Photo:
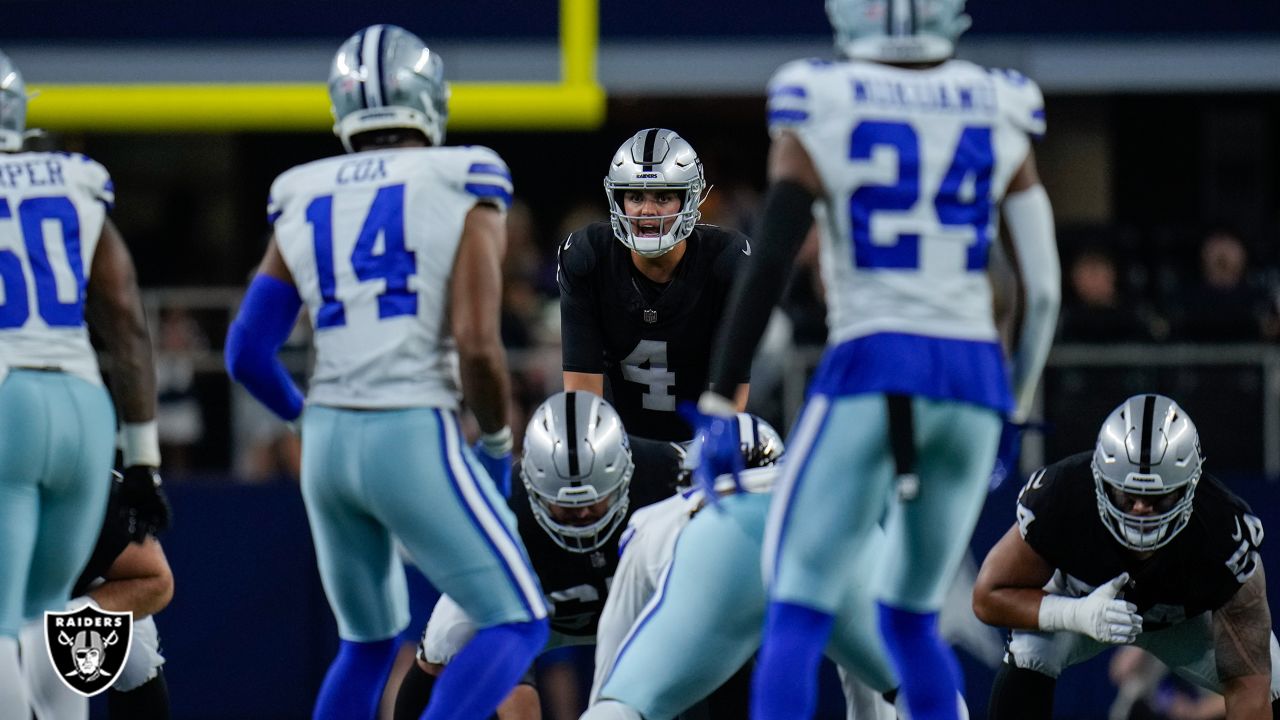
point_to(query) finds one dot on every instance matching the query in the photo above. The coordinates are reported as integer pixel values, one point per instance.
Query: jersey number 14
(393, 265)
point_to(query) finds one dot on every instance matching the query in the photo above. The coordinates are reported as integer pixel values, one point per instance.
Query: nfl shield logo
(88, 646)
(650, 316)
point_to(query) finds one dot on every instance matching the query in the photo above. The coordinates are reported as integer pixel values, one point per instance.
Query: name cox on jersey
(362, 170)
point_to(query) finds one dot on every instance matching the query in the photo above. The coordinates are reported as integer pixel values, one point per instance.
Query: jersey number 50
(394, 264)
(963, 198)
(32, 215)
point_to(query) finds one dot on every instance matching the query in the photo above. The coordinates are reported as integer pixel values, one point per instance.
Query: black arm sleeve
(785, 221)
(583, 346)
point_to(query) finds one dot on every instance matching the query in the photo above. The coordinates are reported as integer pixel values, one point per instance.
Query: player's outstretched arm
(262, 325)
(1033, 247)
(113, 308)
(1007, 592)
(1242, 649)
(139, 580)
(794, 183)
(475, 300)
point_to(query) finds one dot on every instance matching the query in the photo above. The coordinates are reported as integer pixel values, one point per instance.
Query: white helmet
(1147, 447)
(385, 77)
(577, 454)
(897, 31)
(655, 159)
(13, 107)
(761, 447)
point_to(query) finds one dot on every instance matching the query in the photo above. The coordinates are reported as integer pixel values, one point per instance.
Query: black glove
(142, 500)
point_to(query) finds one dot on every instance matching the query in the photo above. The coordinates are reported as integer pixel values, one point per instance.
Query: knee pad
(610, 710)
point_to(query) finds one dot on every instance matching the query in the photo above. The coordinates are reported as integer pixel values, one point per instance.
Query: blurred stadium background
(1162, 160)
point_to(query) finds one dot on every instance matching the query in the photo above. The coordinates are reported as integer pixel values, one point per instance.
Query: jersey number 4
(33, 214)
(393, 265)
(963, 197)
(647, 365)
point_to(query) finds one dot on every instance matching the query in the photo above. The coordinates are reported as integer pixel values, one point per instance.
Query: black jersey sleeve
(112, 540)
(1233, 536)
(657, 466)
(1045, 508)
(581, 337)
(731, 260)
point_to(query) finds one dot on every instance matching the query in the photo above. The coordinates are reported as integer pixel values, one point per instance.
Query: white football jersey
(914, 164)
(52, 209)
(370, 239)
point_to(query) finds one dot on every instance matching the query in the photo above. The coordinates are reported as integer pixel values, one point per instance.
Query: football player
(63, 264)
(122, 574)
(1132, 544)
(902, 155)
(642, 295)
(396, 250)
(581, 478)
(656, 656)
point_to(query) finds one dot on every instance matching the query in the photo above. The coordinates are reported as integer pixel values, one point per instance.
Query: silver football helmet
(577, 455)
(13, 107)
(761, 446)
(1148, 450)
(655, 159)
(897, 31)
(385, 77)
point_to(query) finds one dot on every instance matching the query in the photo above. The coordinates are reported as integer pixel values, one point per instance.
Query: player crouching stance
(1131, 545)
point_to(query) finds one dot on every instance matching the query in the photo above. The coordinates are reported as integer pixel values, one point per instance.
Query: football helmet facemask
(385, 77)
(13, 107)
(1148, 451)
(577, 455)
(897, 31)
(655, 159)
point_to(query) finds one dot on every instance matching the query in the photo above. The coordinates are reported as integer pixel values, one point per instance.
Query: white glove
(1100, 615)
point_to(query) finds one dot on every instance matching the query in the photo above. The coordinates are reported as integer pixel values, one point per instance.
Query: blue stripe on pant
(56, 447)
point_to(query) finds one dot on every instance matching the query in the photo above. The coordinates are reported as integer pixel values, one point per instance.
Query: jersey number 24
(963, 197)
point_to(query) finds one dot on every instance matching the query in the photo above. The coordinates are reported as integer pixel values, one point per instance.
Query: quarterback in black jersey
(1131, 544)
(641, 297)
(582, 477)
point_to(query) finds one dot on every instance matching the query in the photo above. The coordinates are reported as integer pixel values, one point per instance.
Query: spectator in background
(1222, 306)
(1146, 691)
(180, 415)
(1094, 310)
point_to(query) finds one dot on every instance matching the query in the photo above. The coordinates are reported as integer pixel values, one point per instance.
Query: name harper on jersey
(362, 170)
(925, 95)
(31, 173)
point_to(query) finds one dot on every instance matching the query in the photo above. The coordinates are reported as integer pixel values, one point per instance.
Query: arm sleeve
(579, 321)
(786, 218)
(264, 322)
(1030, 220)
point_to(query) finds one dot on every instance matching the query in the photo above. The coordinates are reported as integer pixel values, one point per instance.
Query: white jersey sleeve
(52, 210)
(370, 239)
(647, 545)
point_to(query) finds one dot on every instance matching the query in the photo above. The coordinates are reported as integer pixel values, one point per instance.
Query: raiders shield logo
(88, 646)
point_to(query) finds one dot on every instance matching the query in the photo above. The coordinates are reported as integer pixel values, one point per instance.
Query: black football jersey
(577, 584)
(1198, 571)
(652, 343)
(113, 538)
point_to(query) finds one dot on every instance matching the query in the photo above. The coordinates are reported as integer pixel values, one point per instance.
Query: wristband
(498, 443)
(140, 443)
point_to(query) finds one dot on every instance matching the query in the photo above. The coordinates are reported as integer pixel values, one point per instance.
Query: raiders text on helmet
(655, 159)
(577, 454)
(384, 77)
(1148, 448)
(897, 31)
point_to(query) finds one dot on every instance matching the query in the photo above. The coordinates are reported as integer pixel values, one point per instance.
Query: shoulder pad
(1021, 101)
(576, 255)
(90, 176)
(488, 177)
(791, 95)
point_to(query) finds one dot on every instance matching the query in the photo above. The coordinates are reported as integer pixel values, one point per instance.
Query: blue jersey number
(955, 204)
(393, 265)
(33, 213)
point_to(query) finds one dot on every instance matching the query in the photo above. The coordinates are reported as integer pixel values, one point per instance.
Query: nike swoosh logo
(747, 250)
